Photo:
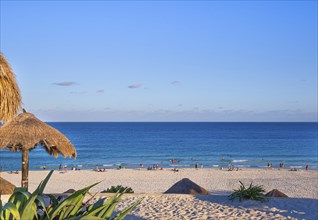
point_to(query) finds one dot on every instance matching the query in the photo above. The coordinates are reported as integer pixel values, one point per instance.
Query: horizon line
(181, 121)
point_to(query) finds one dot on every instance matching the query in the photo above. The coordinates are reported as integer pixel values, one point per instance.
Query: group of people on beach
(196, 166)
(230, 167)
(154, 167)
(13, 172)
(61, 168)
(99, 170)
(282, 166)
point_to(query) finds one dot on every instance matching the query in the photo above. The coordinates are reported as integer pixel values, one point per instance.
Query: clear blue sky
(164, 61)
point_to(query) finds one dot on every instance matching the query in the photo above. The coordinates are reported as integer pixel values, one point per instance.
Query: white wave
(107, 165)
(179, 165)
(239, 161)
(295, 167)
(242, 166)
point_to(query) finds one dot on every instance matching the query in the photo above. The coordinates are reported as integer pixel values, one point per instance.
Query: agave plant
(24, 205)
(118, 188)
(253, 192)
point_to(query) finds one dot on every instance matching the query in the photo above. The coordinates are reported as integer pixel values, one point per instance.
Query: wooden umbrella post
(25, 168)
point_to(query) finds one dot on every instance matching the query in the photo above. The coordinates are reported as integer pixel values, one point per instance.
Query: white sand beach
(300, 186)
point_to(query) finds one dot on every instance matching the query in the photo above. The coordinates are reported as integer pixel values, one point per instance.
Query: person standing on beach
(229, 167)
(307, 167)
(196, 165)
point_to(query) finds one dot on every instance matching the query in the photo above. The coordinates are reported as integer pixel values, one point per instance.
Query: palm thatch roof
(186, 186)
(26, 131)
(10, 98)
(6, 187)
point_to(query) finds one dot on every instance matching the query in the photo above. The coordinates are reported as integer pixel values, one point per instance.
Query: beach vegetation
(25, 205)
(118, 188)
(253, 192)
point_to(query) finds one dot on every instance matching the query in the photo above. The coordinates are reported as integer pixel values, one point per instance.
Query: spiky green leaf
(28, 211)
(45, 181)
(11, 209)
(70, 200)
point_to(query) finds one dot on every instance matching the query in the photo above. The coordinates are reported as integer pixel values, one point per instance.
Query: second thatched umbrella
(25, 132)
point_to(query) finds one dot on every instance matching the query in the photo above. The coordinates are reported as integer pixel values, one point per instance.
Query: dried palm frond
(10, 98)
(6, 187)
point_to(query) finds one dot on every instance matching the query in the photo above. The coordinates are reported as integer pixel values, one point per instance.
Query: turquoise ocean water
(110, 145)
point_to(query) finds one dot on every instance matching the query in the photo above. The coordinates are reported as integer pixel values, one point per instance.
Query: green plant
(24, 205)
(253, 192)
(118, 188)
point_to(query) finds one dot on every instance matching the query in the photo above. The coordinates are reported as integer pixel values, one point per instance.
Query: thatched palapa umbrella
(25, 132)
(10, 98)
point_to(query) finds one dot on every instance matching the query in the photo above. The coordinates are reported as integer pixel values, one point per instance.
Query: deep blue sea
(110, 145)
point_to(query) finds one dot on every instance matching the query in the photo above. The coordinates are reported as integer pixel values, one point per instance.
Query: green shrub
(118, 188)
(24, 205)
(253, 192)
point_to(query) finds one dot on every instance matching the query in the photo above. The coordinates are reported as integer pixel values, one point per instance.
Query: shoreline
(172, 166)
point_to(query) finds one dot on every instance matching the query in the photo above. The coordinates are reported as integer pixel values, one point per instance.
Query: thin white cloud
(135, 86)
(175, 82)
(78, 93)
(65, 83)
